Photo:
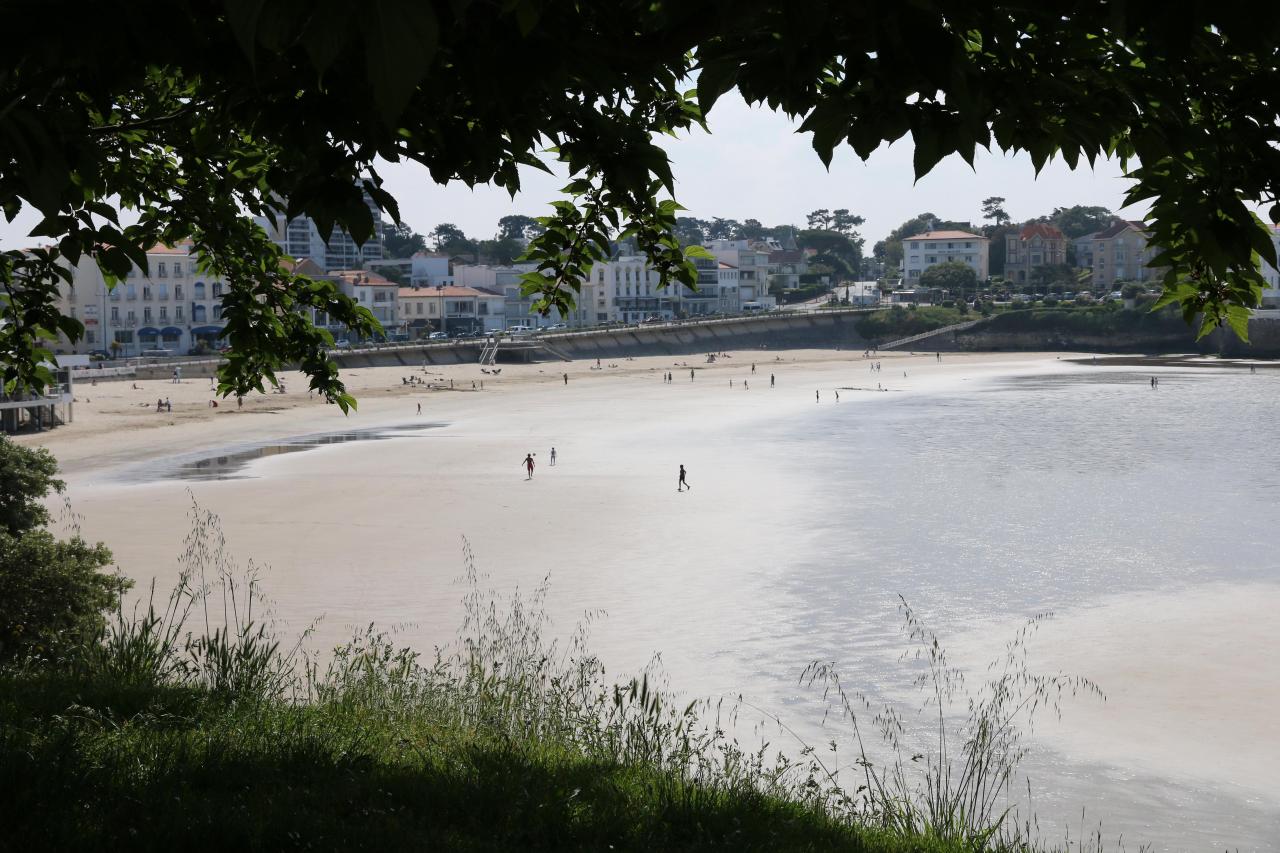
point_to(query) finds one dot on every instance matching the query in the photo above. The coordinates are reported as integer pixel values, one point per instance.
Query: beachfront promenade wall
(825, 329)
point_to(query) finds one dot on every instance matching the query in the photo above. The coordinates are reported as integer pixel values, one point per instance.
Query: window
(217, 311)
(197, 313)
(433, 309)
(177, 269)
(177, 313)
(163, 291)
(199, 290)
(931, 245)
(177, 291)
(419, 311)
(131, 318)
(164, 313)
(146, 291)
(115, 294)
(146, 314)
(915, 245)
(90, 337)
(115, 314)
(123, 337)
(217, 289)
(160, 271)
(130, 292)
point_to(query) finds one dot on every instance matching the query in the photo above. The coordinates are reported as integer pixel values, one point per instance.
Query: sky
(753, 165)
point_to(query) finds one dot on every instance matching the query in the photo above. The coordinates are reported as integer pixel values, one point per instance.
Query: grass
(191, 726)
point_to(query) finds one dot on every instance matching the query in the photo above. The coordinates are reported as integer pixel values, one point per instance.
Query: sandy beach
(372, 531)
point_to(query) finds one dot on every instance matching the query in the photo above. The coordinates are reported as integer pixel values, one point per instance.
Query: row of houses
(176, 307)
(1118, 253)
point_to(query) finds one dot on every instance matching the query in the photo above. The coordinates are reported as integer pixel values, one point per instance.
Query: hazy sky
(754, 165)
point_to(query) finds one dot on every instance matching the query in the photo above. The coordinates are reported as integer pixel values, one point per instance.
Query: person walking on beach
(753, 368)
(419, 408)
(553, 457)
(528, 466)
(682, 484)
(691, 374)
(837, 396)
(770, 380)
(817, 396)
(566, 379)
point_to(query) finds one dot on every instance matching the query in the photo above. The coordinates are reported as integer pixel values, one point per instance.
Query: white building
(1271, 294)
(937, 247)
(751, 259)
(175, 307)
(451, 309)
(300, 238)
(518, 309)
(371, 291)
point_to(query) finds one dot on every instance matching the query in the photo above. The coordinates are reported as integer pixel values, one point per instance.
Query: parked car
(438, 336)
(100, 355)
(555, 327)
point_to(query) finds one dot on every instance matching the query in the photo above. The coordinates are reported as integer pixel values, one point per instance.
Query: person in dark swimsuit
(682, 484)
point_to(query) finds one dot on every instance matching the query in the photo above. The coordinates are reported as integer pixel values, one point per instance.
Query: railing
(956, 327)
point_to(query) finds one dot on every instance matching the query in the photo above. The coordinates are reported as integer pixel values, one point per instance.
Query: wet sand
(371, 532)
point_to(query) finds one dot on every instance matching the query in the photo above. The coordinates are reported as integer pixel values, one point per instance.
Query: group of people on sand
(529, 463)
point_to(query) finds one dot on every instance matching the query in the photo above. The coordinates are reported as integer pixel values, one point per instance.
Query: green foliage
(289, 110)
(1132, 290)
(889, 250)
(1079, 220)
(1055, 277)
(26, 476)
(993, 209)
(518, 227)
(52, 594)
(899, 322)
(401, 241)
(950, 276)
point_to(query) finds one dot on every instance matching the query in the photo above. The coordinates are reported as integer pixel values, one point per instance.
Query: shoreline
(116, 424)
(373, 533)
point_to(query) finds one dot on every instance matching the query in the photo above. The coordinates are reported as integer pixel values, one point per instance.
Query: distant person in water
(553, 456)
(528, 466)
(419, 408)
(837, 396)
(682, 484)
(817, 396)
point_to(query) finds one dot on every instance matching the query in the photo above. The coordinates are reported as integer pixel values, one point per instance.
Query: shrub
(26, 476)
(52, 594)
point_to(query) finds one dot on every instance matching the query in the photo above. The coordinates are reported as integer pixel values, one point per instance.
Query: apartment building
(517, 308)
(751, 259)
(936, 247)
(370, 290)
(1121, 254)
(451, 309)
(1037, 244)
(301, 238)
(174, 306)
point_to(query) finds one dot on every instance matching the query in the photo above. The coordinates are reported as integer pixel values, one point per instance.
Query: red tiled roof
(364, 278)
(180, 249)
(1041, 229)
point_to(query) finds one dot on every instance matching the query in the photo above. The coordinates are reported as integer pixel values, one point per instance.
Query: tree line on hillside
(831, 234)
